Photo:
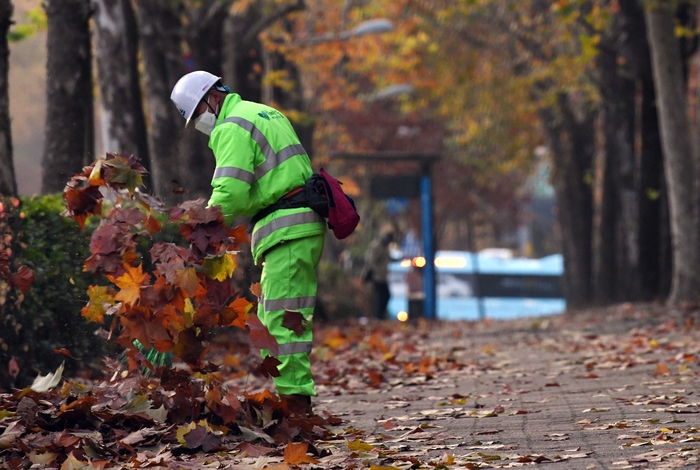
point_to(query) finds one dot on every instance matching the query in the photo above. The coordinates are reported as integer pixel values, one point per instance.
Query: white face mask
(205, 122)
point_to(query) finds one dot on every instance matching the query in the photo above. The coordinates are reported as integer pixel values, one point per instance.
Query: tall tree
(160, 29)
(653, 226)
(69, 113)
(571, 139)
(616, 254)
(176, 37)
(679, 162)
(116, 50)
(8, 183)
(202, 32)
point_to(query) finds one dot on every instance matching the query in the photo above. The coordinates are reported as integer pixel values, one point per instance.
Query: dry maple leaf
(260, 337)
(130, 284)
(152, 224)
(268, 368)
(375, 342)
(240, 234)
(235, 313)
(22, 279)
(95, 309)
(251, 450)
(220, 267)
(201, 437)
(294, 321)
(256, 289)
(295, 454)
(357, 445)
(63, 352)
(187, 280)
(662, 369)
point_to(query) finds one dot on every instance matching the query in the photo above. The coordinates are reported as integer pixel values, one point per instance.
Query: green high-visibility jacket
(259, 159)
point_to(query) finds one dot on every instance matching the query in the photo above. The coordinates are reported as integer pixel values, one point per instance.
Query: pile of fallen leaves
(173, 419)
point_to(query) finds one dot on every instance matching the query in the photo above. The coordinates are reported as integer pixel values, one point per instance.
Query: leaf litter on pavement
(387, 400)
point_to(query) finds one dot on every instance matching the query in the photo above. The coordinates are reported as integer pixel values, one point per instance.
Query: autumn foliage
(171, 297)
(187, 292)
(170, 293)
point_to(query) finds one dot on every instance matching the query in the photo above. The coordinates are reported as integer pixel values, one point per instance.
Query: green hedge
(48, 317)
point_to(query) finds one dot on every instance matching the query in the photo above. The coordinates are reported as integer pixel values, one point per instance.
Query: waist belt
(294, 199)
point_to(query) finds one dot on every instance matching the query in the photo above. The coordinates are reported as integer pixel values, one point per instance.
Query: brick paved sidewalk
(609, 389)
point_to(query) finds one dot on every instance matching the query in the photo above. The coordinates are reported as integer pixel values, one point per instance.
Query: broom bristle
(155, 357)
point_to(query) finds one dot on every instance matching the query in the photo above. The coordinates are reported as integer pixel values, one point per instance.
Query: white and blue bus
(507, 287)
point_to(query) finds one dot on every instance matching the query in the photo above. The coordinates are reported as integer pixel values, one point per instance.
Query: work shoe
(296, 404)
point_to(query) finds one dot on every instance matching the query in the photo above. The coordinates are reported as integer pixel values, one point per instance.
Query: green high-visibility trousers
(289, 284)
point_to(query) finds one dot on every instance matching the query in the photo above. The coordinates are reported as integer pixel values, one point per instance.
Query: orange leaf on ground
(295, 454)
(375, 342)
(130, 284)
(227, 407)
(662, 369)
(375, 377)
(261, 397)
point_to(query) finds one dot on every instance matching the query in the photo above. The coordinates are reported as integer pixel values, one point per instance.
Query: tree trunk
(572, 144)
(617, 276)
(678, 151)
(160, 29)
(654, 268)
(8, 182)
(242, 60)
(69, 115)
(203, 33)
(605, 230)
(116, 45)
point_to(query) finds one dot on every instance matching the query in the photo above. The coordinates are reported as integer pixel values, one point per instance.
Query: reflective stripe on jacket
(259, 159)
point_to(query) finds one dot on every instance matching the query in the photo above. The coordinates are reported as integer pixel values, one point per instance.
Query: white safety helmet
(189, 91)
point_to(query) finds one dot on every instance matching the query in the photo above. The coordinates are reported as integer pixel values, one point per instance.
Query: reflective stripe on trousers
(272, 158)
(285, 221)
(296, 304)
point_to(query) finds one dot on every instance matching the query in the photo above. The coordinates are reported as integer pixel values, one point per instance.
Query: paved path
(611, 390)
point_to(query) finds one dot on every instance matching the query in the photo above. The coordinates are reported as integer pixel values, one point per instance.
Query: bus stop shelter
(413, 184)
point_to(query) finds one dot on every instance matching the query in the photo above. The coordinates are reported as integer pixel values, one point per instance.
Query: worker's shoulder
(250, 115)
(258, 112)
